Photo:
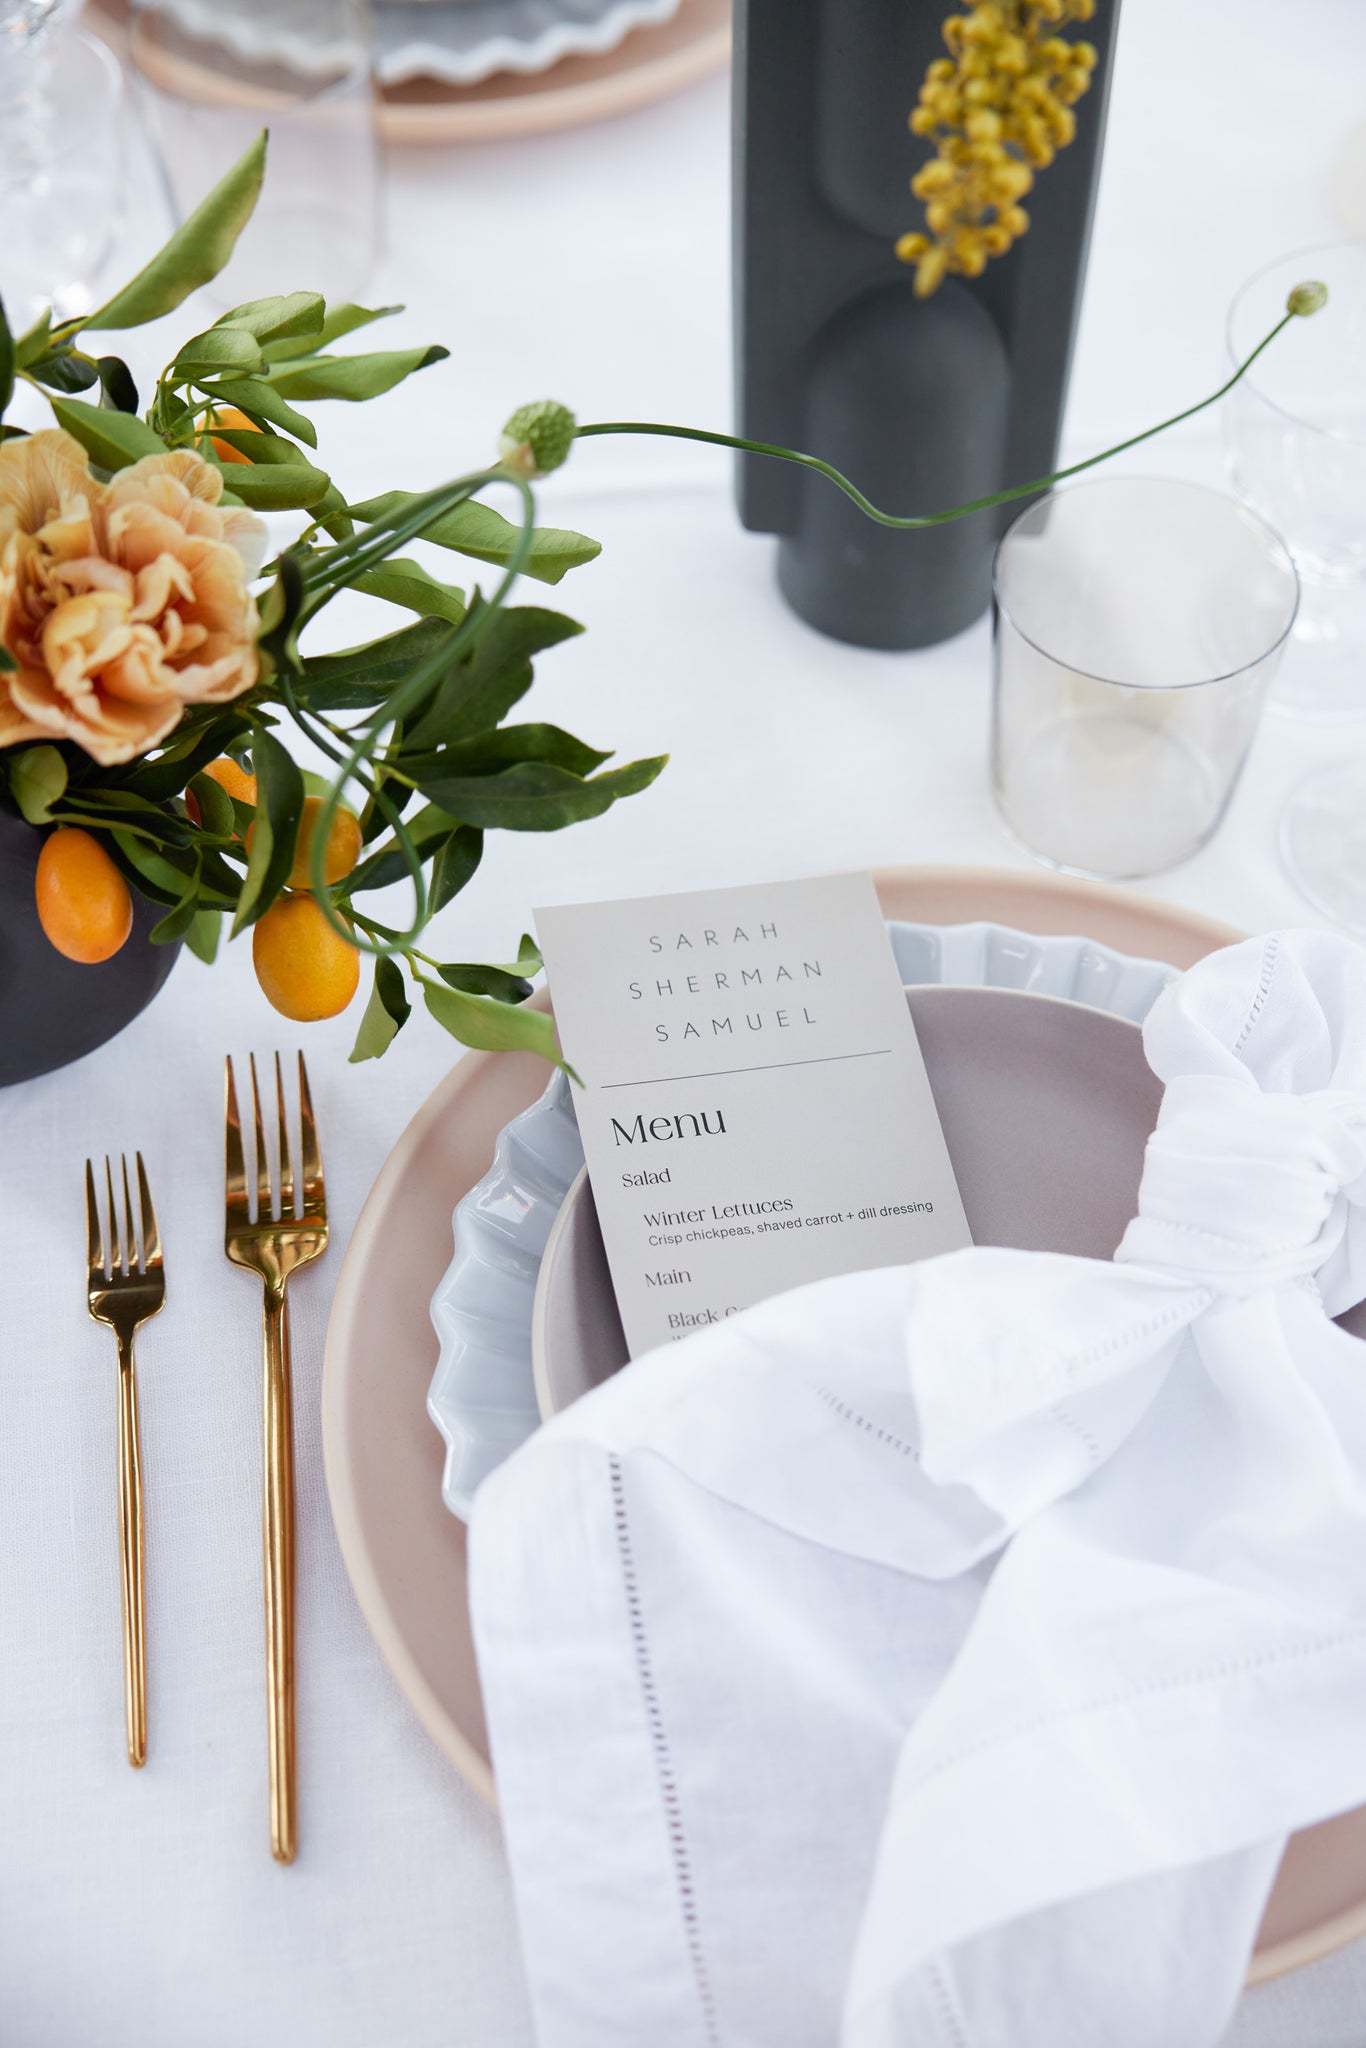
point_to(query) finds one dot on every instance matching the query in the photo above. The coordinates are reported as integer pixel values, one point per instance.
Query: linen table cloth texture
(942, 1655)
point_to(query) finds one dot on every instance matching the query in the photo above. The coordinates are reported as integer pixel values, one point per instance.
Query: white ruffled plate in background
(463, 41)
(458, 42)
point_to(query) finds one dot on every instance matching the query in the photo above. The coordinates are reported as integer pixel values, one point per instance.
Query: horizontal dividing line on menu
(772, 1067)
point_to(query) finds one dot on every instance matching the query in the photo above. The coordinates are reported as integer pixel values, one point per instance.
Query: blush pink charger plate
(405, 1551)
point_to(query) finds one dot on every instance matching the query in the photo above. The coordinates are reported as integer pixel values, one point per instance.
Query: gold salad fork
(124, 1290)
(273, 1246)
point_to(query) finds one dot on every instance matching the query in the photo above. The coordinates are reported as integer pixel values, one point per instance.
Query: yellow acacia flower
(998, 108)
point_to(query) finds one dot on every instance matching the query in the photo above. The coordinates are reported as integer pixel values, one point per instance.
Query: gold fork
(274, 1246)
(124, 1293)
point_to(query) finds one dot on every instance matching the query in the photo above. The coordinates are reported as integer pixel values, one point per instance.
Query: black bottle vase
(53, 1010)
(926, 403)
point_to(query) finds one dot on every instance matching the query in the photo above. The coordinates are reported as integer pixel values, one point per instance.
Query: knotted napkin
(940, 1656)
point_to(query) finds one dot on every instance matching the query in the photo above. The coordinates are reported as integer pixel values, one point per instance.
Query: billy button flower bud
(537, 438)
(1307, 298)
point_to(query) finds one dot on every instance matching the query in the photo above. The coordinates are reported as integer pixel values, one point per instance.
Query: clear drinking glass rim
(1100, 483)
(1296, 256)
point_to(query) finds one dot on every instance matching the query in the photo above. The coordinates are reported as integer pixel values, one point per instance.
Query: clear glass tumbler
(212, 73)
(1137, 626)
(1295, 432)
(61, 161)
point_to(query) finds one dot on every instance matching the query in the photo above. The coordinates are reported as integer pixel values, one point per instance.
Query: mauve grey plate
(1046, 1108)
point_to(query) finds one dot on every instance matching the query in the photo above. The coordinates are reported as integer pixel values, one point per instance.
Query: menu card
(754, 1107)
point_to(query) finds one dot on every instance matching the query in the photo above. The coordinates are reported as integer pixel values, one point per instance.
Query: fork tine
(286, 1168)
(265, 1203)
(235, 1167)
(310, 1159)
(151, 1236)
(93, 1236)
(134, 1252)
(115, 1253)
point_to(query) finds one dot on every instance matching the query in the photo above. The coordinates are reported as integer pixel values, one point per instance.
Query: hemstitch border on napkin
(668, 1784)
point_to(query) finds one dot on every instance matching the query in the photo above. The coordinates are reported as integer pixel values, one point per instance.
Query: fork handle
(130, 1559)
(277, 1552)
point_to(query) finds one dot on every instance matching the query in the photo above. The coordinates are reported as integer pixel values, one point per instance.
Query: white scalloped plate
(463, 41)
(483, 1395)
(459, 42)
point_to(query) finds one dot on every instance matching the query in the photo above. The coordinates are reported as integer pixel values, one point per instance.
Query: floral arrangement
(149, 657)
(998, 108)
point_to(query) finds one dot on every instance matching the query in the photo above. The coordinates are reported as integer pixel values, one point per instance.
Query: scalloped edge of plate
(561, 39)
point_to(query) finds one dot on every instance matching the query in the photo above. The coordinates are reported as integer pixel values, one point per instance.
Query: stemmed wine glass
(1297, 444)
(1295, 432)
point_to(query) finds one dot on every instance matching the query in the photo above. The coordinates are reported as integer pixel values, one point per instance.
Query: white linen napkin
(941, 1656)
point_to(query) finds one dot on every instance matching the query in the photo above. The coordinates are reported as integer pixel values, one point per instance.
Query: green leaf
(492, 1026)
(262, 403)
(183, 758)
(218, 348)
(203, 934)
(332, 515)
(270, 482)
(280, 792)
(65, 370)
(455, 862)
(157, 874)
(476, 530)
(337, 321)
(272, 450)
(221, 885)
(7, 661)
(407, 583)
(114, 439)
(478, 980)
(535, 796)
(33, 342)
(116, 383)
(287, 316)
(352, 377)
(177, 922)
(481, 690)
(358, 678)
(215, 806)
(493, 751)
(107, 806)
(386, 865)
(387, 1011)
(6, 361)
(37, 778)
(196, 252)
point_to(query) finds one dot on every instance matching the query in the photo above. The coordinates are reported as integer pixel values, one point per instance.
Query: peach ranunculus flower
(121, 603)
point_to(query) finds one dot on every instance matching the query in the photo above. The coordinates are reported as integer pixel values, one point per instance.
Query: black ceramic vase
(926, 403)
(52, 1010)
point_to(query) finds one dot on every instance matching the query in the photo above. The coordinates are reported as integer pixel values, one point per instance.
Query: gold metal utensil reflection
(125, 1289)
(273, 1246)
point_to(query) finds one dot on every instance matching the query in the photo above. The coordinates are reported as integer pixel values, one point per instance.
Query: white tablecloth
(144, 1907)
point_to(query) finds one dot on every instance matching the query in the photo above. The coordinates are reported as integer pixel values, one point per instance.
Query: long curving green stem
(922, 519)
(322, 580)
(410, 692)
